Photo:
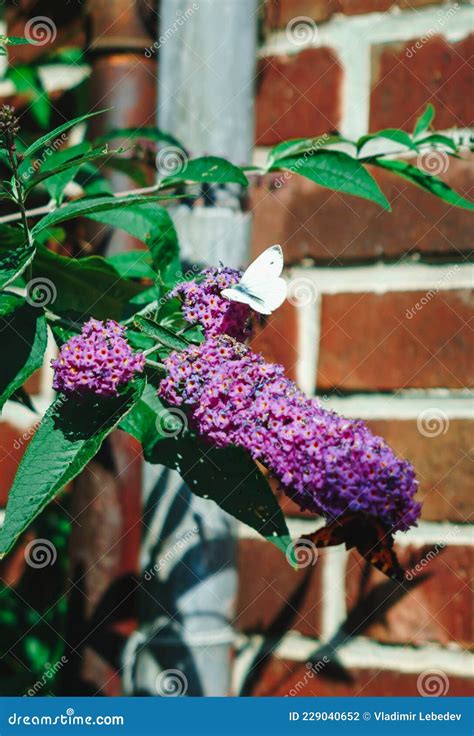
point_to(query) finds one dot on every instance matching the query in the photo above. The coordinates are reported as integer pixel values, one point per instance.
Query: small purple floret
(324, 462)
(204, 305)
(97, 361)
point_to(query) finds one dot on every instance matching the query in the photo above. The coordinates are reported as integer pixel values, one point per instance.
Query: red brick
(273, 597)
(297, 95)
(33, 384)
(277, 338)
(280, 677)
(278, 13)
(312, 222)
(442, 463)
(13, 442)
(437, 606)
(368, 343)
(438, 72)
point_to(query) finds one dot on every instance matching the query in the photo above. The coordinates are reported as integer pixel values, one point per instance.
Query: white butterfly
(261, 286)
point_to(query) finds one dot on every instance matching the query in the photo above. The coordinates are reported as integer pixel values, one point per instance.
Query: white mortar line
(380, 278)
(308, 317)
(377, 28)
(401, 406)
(362, 653)
(334, 610)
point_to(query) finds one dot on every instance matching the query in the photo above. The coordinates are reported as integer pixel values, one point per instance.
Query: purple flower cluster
(326, 463)
(203, 304)
(99, 360)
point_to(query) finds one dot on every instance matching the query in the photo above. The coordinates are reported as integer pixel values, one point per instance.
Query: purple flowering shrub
(98, 361)
(327, 464)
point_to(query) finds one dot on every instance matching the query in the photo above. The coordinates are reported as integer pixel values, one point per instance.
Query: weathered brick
(434, 606)
(405, 79)
(312, 222)
(443, 462)
(273, 597)
(277, 338)
(367, 342)
(278, 677)
(298, 95)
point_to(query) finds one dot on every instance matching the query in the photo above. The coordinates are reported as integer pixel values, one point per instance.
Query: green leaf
(132, 264)
(70, 434)
(89, 207)
(431, 184)
(15, 40)
(161, 334)
(23, 336)
(338, 171)
(424, 121)
(27, 81)
(229, 477)
(13, 262)
(149, 223)
(54, 134)
(145, 420)
(56, 184)
(437, 138)
(48, 171)
(297, 146)
(391, 134)
(85, 286)
(208, 169)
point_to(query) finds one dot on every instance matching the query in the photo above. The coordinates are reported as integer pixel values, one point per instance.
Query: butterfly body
(261, 286)
(364, 533)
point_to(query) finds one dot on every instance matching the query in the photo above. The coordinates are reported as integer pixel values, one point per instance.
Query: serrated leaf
(429, 183)
(424, 121)
(69, 435)
(229, 477)
(208, 169)
(23, 337)
(337, 171)
(161, 334)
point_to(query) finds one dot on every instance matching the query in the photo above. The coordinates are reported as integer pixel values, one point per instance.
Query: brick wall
(379, 327)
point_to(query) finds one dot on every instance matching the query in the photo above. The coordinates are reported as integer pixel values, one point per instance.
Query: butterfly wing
(368, 536)
(261, 286)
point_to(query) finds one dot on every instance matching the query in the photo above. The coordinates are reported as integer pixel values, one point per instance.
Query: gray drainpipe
(183, 646)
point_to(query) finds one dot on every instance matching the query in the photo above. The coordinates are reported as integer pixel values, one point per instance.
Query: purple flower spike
(324, 462)
(204, 305)
(97, 361)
